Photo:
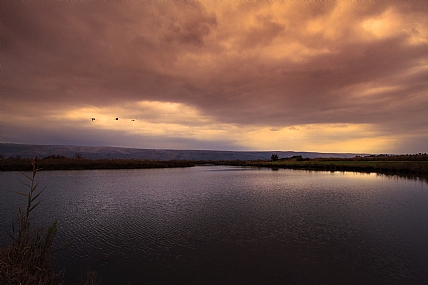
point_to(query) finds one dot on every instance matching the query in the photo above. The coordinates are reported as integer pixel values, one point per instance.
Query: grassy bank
(79, 163)
(387, 164)
(405, 167)
(403, 164)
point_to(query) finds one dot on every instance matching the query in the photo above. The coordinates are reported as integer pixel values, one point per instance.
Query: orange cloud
(201, 71)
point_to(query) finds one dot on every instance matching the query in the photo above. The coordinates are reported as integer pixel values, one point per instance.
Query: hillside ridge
(102, 152)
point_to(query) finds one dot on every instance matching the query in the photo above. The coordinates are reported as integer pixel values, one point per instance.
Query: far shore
(65, 163)
(407, 168)
(415, 165)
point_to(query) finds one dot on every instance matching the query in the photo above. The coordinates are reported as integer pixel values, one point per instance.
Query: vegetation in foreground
(26, 260)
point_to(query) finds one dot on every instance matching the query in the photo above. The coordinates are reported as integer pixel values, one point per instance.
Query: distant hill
(95, 152)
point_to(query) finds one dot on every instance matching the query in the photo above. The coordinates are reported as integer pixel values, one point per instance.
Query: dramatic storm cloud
(307, 76)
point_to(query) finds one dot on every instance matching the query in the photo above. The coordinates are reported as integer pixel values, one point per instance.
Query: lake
(231, 225)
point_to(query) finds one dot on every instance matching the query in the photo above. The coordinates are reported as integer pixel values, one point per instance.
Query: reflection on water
(229, 225)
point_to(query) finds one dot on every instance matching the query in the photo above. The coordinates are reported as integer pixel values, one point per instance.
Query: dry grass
(26, 260)
(80, 163)
(406, 165)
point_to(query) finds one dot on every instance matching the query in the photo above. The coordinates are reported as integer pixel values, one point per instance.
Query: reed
(26, 260)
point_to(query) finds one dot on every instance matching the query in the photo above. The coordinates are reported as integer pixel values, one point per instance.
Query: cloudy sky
(324, 76)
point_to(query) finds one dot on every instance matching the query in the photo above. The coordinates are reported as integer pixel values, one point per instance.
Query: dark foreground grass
(26, 259)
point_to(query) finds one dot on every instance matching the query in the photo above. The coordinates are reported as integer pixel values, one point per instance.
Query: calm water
(226, 225)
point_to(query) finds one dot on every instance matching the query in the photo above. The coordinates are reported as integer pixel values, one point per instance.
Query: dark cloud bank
(247, 64)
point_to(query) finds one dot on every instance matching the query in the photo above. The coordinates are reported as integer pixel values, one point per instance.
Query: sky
(324, 76)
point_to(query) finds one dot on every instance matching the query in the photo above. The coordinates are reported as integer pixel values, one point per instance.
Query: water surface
(230, 225)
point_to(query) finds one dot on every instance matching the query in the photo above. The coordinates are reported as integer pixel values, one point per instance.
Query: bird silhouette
(93, 119)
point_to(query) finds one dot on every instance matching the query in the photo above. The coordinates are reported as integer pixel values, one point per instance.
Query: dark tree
(274, 157)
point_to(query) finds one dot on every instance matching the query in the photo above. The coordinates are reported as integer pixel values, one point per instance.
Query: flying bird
(93, 119)
(117, 119)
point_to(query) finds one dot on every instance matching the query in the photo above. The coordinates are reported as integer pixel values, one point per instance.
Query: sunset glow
(305, 76)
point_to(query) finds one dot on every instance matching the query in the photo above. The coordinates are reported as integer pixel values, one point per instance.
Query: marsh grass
(26, 260)
(385, 167)
(416, 165)
(80, 163)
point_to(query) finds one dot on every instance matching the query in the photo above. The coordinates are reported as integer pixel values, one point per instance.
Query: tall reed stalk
(26, 259)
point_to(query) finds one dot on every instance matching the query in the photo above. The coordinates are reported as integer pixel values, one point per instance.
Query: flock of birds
(116, 119)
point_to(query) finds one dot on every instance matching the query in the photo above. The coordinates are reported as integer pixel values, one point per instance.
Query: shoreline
(409, 169)
(24, 164)
(364, 165)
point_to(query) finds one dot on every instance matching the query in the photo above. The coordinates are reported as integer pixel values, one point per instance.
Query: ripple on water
(198, 226)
